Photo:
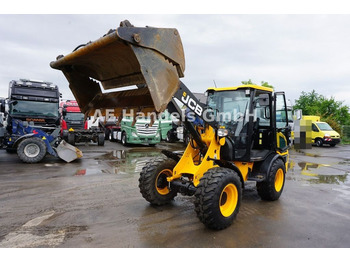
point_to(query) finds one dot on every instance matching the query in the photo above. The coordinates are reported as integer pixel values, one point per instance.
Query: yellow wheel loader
(240, 134)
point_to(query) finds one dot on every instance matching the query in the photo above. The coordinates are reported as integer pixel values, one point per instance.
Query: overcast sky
(293, 53)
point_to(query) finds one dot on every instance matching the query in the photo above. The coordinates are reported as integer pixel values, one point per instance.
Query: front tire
(319, 142)
(153, 183)
(271, 188)
(124, 139)
(218, 197)
(31, 150)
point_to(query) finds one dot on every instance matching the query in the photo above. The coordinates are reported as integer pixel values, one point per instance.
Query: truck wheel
(169, 137)
(101, 139)
(271, 188)
(153, 183)
(218, 197)
(319, 142)
(31, 150)
(107, 134)
(187, 139)
(124, 139)
(71, 139)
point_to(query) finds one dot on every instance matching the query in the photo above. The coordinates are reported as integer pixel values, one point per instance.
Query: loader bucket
(67, 152)
(151, 58)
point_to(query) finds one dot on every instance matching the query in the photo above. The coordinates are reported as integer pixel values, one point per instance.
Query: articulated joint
(183, 187)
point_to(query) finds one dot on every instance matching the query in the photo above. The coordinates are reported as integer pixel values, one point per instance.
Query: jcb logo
(187, 100)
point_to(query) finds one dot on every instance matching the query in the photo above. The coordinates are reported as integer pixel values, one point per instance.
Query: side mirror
(264, 100)
(2, 105)
(299, 114)
(64, 111)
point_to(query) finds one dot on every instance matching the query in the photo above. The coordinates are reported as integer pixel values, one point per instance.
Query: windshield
(324, 127)
(74, 116)
(34, 108)
(229, 107)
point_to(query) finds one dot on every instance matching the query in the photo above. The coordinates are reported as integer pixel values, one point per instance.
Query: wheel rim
(228, 200)
(279, 180)
(31, 150)
(162, 182)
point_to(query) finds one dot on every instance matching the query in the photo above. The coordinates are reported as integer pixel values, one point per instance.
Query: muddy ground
(95, 202)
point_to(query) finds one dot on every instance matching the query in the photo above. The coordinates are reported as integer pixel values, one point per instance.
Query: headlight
(133, 134)
(327, 135)
(157, 135)
(222, 132)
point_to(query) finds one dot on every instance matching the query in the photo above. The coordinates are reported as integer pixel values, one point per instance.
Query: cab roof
(218, 89)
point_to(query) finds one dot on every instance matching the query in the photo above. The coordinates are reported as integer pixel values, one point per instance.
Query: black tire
(101, 139)
(218, 197)
(271, 188)
(31, 150)
(124, 139)
(332, 145)
(170, 137)
(153, 184)
(71, 138)
(319, 142)
(65, 135)
(107, 134)
(187, 139)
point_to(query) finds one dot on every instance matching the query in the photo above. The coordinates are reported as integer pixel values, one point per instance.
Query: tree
(331, 111)
(263, 83)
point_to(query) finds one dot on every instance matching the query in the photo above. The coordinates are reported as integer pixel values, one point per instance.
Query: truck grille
(146, 130)
(75, 125)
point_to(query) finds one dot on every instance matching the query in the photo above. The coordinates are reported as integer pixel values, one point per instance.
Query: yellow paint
(71, 130)
(263, 88)
(244, 168)
(279, 177)
(228, 200)
(192, 163)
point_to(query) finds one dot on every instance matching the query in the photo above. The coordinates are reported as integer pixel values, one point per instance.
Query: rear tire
(271, 188)
(101, 139)
(153, 184)
(170, 137)
(71, 138)
(31, 150)
(218, 198)
(107, 134)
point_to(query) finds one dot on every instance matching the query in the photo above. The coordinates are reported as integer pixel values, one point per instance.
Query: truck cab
(72, 117)
(34, 101)
(140, 132)
(322, 133)
(74, 126)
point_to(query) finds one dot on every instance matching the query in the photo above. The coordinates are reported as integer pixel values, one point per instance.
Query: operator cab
(255, 119)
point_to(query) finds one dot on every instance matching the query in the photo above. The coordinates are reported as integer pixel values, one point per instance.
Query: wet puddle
(321, 173)
(120, 162)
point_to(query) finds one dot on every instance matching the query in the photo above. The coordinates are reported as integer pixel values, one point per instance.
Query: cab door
(281, 122)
